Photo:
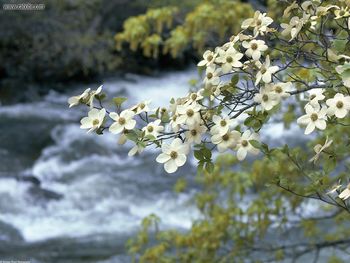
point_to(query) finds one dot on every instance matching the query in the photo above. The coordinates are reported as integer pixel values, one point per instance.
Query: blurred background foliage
(80, 41)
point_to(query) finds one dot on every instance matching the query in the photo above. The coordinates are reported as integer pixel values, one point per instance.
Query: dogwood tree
(296, 70)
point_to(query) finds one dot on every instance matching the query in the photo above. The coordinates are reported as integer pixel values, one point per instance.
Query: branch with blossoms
(304, 60)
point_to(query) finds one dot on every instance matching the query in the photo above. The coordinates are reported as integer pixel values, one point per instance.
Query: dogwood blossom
(319, 149)
(92, 96)
(94, 120)
(189, 114)
(294, 26)
(226, 141)
(141, 107)
(123, 121)
(341, 12)
(315, 117)
(75, 100)
(153, 128)
(221, 125)
(283, 89)
(259, 22)
(344, 71)
(209, 58)
(229, 59)
(265, 71)
(254, 48)
(267, 97)
(244, 147)
(194, 134)
(173, 155)
(315, 95)
(212, 76)
(345, 194)
(339, 105)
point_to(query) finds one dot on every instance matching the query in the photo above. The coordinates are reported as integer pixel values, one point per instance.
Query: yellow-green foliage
(168, 30)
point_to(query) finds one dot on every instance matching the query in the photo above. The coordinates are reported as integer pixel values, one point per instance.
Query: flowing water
(68, 196)
(91, 196)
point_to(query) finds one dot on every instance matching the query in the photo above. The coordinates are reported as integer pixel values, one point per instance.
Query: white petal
(241, 153)
(170, 166)
(116, 128)
(162, 158)
(180, 160)
(309, 128)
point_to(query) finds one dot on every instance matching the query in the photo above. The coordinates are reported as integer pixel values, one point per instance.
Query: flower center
(265, 97)
(314, 117)
(259, 22)
(209, 75)
(173, 155)
(210, 58)
(340, 104)
(254, 46)
(341, 13)
(229, 59)
(223, 123)
(263, 70)
(213, 89)
(190, 113)
(150, 129)
(142, 106)
(163, 110)
(278, 89)
(244, 143)
(193, 132)
(226, 137)
(194, 96)
(312, 96)
(174, 118)
(95, 122)
(121, 121)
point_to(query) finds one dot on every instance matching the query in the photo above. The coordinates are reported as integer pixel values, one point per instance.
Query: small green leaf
(119, 101)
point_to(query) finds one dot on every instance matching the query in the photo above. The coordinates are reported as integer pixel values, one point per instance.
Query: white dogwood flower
(315, 95)
(92, 96)
(259, 22)
(209, 58)
(123, 121)
(265, 71)
(227, 141)
(194, 97)
(315, 117)
(94, 120)
(194, 133)
(294, 26)
(189, 114)
(283, 89)
(212, 76)
(173, 155)
(267, 98)
(339, 105)
(229, 59)
(137, 149)
(244, 147)
(221, 125)
(319, 149)
(75, 100)
(254, 48)
(345, 194)
(344, 71)
(153, 128)
(141, 107)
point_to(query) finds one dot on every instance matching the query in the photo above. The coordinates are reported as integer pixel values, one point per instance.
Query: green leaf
(234, 79)
(119, 101)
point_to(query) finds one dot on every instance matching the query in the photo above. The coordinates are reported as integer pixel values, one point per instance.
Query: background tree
(295, 71)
